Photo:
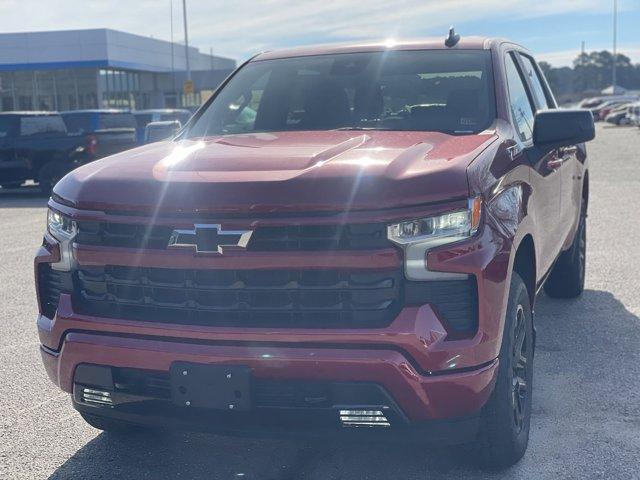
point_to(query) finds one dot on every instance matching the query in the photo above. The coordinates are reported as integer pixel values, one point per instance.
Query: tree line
(591, 72)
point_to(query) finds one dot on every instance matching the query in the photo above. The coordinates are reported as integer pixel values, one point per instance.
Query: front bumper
(260, 421)
(397, 358)
(419, 397)
(429, 374)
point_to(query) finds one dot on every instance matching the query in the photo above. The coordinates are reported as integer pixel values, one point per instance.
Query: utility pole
(186, 38)
(615, 41)
(173, 68)
(582, 52)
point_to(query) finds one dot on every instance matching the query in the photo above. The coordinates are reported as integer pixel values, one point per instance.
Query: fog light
(97, 397)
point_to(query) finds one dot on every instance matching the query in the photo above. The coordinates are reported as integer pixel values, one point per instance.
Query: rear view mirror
(560, 128)
(157, 131)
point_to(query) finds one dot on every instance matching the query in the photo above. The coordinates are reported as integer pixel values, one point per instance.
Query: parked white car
(596, 102)
(633, 114)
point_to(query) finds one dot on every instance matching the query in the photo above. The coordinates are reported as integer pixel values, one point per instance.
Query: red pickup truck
(342, 237)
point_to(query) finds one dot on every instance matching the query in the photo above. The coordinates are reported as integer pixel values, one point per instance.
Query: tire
(567, 277)
(110, 425)
(50, 173)
(504, 433)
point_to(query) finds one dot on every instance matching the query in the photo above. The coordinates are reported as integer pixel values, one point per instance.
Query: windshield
(446, 91)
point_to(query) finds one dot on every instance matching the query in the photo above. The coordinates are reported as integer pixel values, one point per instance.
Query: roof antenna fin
(452, 39)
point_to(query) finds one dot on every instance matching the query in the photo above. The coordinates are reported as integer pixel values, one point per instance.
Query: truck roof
(96, 110)
(31, 113)
(161, 110)
(433, 43)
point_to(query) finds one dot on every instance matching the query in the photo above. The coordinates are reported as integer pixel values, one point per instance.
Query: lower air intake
(363, 418)
(97, 397)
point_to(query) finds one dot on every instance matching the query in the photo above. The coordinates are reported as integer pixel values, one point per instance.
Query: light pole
(173, 69)
(186, 38)
(615, 41)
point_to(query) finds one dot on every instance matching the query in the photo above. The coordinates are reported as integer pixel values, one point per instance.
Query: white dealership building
(101, 68)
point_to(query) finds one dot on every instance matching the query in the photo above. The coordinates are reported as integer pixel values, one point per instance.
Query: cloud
(281, 23)
(242, 27)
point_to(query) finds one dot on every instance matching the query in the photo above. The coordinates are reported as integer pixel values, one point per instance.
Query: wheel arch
(585, 188)
(524, 263)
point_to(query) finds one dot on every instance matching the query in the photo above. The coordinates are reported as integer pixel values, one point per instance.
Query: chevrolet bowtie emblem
(209, 238)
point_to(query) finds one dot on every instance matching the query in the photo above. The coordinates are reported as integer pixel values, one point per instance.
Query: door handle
(513, 151)
(555, 163)
(566, 151)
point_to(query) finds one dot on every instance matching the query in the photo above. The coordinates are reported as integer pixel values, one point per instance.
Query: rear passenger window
(39, 125)
(77, 123)
(534, 79)
(521, 109)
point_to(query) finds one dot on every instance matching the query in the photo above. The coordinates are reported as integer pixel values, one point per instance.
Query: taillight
(92, 144)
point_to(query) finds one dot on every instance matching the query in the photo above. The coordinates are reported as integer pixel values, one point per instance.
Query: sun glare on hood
(180, 153)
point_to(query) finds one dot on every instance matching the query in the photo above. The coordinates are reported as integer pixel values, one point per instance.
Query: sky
(552, 29)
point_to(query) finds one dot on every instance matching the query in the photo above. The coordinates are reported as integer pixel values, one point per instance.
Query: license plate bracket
(220, 387)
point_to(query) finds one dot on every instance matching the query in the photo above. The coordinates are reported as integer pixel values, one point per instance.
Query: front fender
(489, 257)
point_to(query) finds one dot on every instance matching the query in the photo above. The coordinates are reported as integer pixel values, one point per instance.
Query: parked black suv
(105, 131)
(36, 146)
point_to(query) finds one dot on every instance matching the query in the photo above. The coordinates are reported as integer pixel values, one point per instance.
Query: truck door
(564, 160)
(545, 181)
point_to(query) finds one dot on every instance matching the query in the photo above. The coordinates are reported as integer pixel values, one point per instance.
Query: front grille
(292, 394)
(122, 235)
(319, 237)
(144, 383)
(266, 393)
(257, 298)
(51, 283)
(241, 298)
(363, 236)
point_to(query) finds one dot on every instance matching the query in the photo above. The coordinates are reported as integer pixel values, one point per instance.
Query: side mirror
(157, 131)
(561, 128)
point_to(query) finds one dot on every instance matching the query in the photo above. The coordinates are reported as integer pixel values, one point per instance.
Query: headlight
(454, 224)
(463, 223)
(63, 229)
(59, 225)
(419, 235)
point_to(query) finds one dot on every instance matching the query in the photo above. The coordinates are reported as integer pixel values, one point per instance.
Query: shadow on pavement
(575, 337)
(201, 456)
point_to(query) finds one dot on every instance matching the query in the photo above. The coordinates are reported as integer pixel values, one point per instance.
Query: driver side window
(521, 109)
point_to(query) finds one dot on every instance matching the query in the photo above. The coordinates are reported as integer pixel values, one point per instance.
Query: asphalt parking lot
(586, 412)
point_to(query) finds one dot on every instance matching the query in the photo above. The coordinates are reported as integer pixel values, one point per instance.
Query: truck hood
(277, 172)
